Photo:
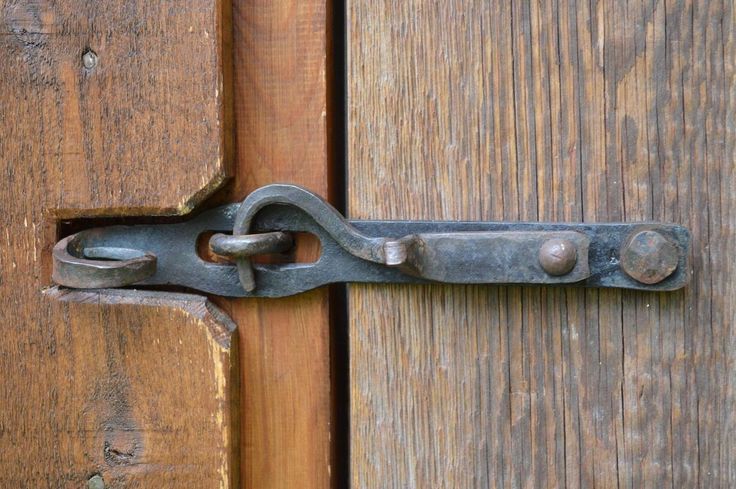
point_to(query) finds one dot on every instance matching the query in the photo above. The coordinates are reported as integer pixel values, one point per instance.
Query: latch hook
(649, 256)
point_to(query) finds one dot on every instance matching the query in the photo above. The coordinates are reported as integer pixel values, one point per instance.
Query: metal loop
(369, 248)
(99, 267)
(247, 245)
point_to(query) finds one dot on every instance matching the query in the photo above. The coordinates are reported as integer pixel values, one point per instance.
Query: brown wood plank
(153, 101)
(280, 73)
(147, 388)
(564, 110)
(136, 388)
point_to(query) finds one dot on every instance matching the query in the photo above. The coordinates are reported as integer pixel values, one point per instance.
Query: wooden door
(459, 109)
(137, 108)
(109, 388)
(553, 111)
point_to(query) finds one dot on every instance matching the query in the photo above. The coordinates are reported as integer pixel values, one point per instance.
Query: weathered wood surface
(143, 392)
(280, 75)
(152, 104)
(134, 387)
(563, 111)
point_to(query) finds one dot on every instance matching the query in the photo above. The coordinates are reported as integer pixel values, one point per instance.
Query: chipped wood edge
(222, 330)
(219, 324)
(224, 95)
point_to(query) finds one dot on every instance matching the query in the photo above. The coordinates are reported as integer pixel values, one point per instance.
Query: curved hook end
(112, 267)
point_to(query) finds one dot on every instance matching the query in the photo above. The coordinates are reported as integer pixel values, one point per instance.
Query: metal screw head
(96, 482)
(648, 257)
(558, 256)
(89, 59)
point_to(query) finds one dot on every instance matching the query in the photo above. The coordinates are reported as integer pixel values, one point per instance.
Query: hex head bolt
(648, 257)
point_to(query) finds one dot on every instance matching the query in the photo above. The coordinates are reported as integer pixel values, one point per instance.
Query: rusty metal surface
(79, 266)
(511, 257)
(374, 251)
(558, 256)
(320, 212)
(247, 245)
(649, 257)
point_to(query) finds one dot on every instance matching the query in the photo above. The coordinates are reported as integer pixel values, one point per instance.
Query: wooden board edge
(221, 329)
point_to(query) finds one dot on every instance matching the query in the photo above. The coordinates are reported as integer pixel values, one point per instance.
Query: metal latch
(647, 256)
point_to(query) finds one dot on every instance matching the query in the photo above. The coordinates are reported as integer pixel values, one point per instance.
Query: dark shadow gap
(339, 344)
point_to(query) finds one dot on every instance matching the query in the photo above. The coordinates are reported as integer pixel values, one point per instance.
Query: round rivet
(648, 257)
(89, 59)
(558, 256)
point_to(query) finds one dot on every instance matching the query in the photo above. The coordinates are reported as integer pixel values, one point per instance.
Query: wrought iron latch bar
(647, 256)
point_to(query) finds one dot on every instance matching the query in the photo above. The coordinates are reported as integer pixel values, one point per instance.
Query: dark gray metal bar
(588, 255)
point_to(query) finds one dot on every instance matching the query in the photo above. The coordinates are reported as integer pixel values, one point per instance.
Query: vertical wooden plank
(280, 52)
(132, 387)
(129, 389)
(566, 110)
(127, 87)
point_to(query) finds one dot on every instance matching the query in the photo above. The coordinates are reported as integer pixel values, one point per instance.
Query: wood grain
(147, 386)
(137, 388)
(280, 72)
(562, 111)
(155, 102)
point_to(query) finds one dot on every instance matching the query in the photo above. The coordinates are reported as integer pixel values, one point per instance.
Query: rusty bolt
(648, 257)
(558, 256)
